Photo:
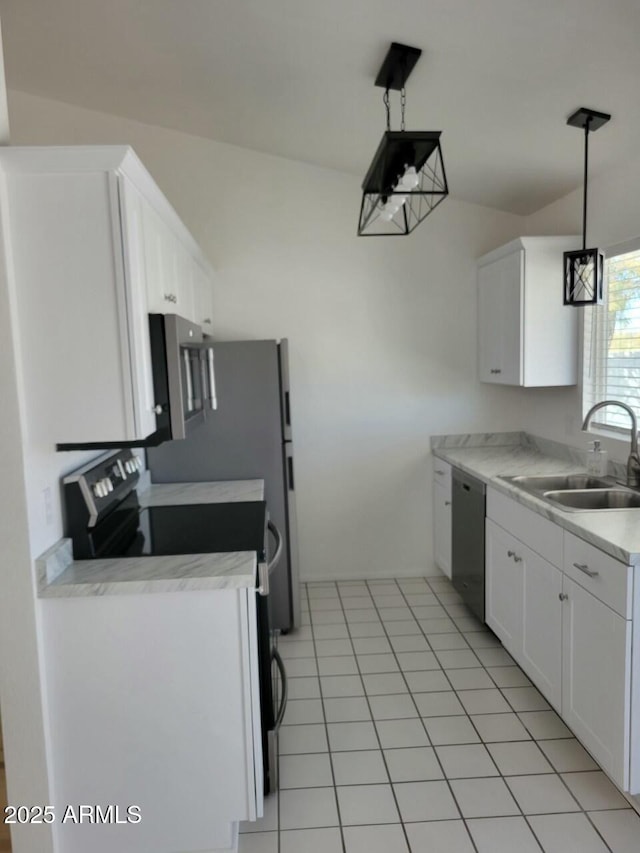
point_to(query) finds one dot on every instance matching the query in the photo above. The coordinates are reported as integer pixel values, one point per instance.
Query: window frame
(595, 389)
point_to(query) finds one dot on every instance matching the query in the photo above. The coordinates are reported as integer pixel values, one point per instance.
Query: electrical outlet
(48, 505)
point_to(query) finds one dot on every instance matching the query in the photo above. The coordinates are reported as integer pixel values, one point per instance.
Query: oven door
(273, 676)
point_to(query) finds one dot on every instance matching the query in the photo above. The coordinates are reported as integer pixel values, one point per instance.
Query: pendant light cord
(586, 171)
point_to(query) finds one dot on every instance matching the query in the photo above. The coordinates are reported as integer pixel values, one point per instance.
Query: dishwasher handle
(465, 483)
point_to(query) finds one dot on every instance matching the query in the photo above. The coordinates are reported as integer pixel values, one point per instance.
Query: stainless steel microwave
(183, 374)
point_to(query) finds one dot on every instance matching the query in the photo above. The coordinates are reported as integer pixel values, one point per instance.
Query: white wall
(613, 217)
(382, 331)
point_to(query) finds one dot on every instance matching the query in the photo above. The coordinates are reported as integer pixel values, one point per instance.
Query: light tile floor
(409, 729)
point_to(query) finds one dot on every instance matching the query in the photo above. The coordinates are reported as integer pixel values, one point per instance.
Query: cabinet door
(442, 528)
(184, 281)
(596, 663)
(500, 319)
(202, 298)
(135, 271)
(159, 262)
(542, 626)
(504, 579)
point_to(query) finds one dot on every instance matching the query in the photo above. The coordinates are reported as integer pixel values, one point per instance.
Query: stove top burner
(191, 529)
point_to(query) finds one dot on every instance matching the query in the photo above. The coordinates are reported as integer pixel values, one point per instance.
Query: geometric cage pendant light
(406, 180)
(584, 268)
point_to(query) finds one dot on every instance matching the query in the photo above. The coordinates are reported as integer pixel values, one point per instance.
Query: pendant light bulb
(410, 180)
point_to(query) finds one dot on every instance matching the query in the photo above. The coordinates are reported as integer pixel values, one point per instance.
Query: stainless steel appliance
(247, 437)
(104, 519)
(183, 374)
(468, 505)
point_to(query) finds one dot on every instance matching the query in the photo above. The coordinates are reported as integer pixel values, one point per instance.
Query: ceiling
(295, 78)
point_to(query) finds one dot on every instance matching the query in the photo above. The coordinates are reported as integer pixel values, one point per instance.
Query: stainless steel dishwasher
(467, 551)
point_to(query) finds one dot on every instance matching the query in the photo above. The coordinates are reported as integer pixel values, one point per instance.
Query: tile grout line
(373, 724)
(481, 665)
(501, 776)
(437, 757)
(326, 729)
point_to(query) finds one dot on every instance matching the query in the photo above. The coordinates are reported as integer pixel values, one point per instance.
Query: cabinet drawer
(442, 475)
(542, 536)
(607, 579)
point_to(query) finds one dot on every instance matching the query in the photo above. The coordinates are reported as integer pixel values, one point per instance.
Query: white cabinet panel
(504, 579)
(607, 579)
(442, 528)
(499, 312)
(526, 336)
(153, 701)
(542, 626)
(202, 298)
(597, 679)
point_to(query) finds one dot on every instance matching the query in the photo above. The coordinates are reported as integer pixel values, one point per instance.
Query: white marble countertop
(617, 532)
(59, 575)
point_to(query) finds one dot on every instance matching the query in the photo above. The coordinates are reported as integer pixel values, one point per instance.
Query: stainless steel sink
(594, 498)
(560, 482)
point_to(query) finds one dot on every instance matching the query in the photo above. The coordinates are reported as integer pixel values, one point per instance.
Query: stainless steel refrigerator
(247, 437)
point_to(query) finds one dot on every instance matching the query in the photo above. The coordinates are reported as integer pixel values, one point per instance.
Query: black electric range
(104, 519)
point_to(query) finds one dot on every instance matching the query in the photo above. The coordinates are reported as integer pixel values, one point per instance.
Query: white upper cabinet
(202, 298)
(175, 273)
(526, 336)
(93, 248)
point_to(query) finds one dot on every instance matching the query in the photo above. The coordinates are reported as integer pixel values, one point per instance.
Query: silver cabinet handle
(513, 554)
(447, 503)
(170, 297)
(439, 471)
(584, 568)
(207, 320)
(496, 370)
(563, 596)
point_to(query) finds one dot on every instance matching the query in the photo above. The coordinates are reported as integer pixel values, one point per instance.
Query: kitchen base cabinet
(504, 584)
(597, 679)
(570, 629)
(442, 516)
(154, 702)
(542, 626)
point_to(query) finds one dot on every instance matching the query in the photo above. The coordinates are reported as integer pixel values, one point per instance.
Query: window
(611, 342)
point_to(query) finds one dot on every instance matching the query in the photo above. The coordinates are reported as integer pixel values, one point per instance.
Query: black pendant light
(584, 268)
(406, 179)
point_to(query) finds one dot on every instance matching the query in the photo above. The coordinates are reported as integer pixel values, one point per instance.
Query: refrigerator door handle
(213, 401)
(275, 655)
(287, 409)
(279, 546)
(265, 569)
(290, 466)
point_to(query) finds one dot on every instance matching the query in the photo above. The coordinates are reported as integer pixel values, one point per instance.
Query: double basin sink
(578, 491)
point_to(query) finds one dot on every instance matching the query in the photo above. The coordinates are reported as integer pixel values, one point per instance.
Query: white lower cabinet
(523, 608)
(504, 582)
(442, 528)
(542, 626)
(154, 701)
(596, 686)
(567, 629)
(442, 472)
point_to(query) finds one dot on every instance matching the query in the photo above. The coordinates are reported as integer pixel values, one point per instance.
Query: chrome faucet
(633, 462)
